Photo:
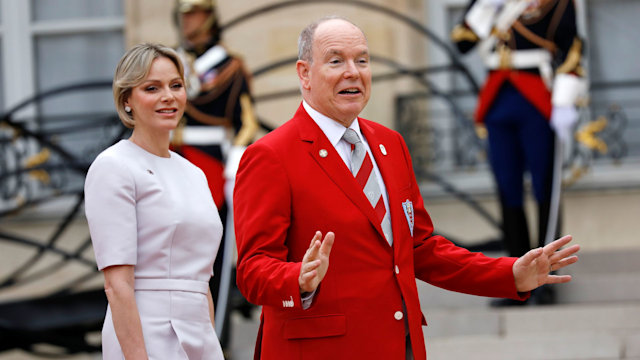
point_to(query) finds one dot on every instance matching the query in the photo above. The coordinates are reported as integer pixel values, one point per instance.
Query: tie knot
(351, 137)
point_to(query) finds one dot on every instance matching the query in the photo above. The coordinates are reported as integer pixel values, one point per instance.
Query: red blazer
(285, 191)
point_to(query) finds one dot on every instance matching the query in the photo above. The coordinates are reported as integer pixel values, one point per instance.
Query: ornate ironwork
(45, 159)
(602, 137)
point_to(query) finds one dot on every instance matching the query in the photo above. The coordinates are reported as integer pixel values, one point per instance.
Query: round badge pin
(383, 149)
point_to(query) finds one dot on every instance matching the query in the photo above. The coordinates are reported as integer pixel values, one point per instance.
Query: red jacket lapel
(326, 156)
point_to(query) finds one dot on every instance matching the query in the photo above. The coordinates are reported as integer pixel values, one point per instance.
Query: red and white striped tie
(362, 169)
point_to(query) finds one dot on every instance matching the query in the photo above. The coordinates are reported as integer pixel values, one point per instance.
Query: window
(613, 68)
(1, 67)
(76, 41)
(47, 44)
(75, 9)
(77, 58)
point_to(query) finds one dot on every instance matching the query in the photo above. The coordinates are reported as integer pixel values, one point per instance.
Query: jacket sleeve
(262, 216)
(110, 208)
(439, 262)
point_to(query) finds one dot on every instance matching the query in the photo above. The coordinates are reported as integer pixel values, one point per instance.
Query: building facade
(47, 44)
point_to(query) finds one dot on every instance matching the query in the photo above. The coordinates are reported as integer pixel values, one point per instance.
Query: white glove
(562, 120)
(509, 14)
(567, 89)
(481, 16)
(233, 161)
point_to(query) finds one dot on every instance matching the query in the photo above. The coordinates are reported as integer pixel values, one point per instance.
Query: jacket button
(398, 315)
(397, 270)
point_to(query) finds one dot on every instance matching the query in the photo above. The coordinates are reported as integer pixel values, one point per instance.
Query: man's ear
(302, 67)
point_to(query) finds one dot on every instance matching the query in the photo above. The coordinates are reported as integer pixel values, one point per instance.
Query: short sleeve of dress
(110, 207)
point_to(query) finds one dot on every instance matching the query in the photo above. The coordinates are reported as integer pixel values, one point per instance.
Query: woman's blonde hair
(133, 68)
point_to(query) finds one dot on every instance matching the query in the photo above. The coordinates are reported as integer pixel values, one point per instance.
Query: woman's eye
(177, 85)
(150, 88)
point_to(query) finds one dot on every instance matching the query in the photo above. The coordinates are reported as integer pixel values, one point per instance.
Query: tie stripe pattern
(362, 169)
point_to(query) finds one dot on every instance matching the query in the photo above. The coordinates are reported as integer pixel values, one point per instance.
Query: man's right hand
(315, 262)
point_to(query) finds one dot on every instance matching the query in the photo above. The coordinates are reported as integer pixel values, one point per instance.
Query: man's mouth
(350, 91)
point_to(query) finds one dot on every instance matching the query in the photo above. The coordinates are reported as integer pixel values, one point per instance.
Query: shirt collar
(332, 129)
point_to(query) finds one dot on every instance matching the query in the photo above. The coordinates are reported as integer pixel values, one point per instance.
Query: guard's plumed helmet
(188, 5)
(209, 26)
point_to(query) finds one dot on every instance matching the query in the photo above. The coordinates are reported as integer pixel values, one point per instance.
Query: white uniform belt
(172, 284)
(204, 135)
(520, 59)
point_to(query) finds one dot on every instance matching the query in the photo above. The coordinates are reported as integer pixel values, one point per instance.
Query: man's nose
(351, 69)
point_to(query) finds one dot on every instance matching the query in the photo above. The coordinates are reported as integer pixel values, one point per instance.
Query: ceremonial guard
(533, 54)
(219, 123)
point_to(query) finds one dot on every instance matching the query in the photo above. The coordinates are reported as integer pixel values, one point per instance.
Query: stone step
(623, 318)
(574, 346)
(597, 288)
(607, 262)
(567, 332)
(611, 276)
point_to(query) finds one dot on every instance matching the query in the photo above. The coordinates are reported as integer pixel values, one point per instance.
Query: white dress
(157, 214)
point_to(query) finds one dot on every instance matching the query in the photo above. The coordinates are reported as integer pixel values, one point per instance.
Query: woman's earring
(127, 109)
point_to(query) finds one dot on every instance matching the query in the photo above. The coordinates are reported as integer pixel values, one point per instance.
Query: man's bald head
(305, 41)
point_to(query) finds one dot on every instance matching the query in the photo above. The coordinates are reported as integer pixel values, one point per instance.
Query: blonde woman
(154, 225)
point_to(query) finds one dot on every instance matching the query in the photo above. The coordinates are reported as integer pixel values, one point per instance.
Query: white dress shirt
(334, 131)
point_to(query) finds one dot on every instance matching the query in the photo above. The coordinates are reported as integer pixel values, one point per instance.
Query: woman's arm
(119, 287)
(211, 309)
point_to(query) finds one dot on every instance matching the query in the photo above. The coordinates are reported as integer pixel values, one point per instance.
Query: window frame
(19, 32)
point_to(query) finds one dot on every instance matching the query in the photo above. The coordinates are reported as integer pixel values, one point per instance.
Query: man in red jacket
(332, 231)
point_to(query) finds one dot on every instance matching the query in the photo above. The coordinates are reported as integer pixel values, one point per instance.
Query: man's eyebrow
(340, 52)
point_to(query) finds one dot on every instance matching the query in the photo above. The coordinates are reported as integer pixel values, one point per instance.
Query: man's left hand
(534, 268)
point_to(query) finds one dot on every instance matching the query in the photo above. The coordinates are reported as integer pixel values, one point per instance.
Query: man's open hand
(533, 268)
(315, 262)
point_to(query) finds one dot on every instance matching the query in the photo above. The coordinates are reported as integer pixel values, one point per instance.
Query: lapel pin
(383, 149)
(323, 153)
(150, 172)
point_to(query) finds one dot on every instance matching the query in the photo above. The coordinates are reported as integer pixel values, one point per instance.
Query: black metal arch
(420, 28)
(68, 161)
(25, 131)
(60, 318)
